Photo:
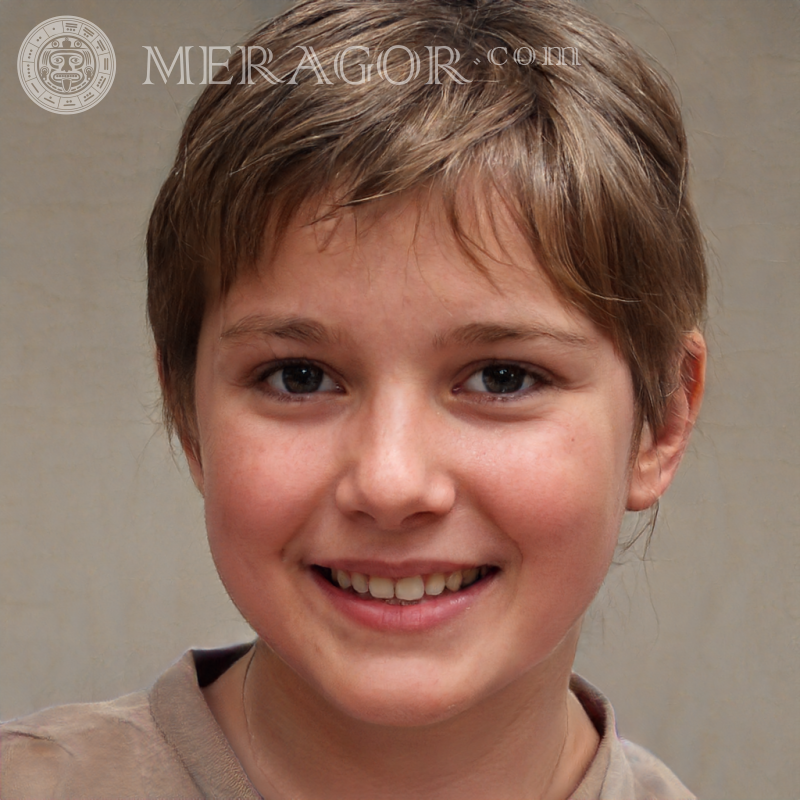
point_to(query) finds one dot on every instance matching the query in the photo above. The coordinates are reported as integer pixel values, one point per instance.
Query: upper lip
(400, 569)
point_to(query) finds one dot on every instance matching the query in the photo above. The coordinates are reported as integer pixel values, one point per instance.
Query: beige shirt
(166, 744)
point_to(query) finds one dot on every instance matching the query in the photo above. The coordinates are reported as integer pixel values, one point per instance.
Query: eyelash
(538, 380)
(264, 374)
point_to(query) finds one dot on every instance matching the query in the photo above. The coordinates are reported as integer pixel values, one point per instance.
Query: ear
(660, 454)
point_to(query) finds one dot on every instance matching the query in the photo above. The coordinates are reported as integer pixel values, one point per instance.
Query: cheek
(559, 494)
(262, 485)
(556, 494)
(263, 489)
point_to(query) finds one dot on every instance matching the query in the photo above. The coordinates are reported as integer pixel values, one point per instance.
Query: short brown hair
(589, 157)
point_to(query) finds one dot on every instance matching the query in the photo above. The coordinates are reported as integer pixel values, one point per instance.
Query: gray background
(104, 571)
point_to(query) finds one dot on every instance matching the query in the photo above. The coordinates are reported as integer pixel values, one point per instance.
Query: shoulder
(88, 749)
(110, 749)
(621, 770)
(652, 778)
(158, 744)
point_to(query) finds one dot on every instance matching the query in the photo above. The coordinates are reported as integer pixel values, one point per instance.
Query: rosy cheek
(546, 491)
(261, 484)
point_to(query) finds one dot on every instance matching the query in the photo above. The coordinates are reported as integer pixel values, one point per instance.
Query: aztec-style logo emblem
(66, 65)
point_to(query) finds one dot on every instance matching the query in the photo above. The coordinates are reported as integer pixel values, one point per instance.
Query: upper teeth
(410, 588)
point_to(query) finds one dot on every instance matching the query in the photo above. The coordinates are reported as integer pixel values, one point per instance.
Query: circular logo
(66, 65)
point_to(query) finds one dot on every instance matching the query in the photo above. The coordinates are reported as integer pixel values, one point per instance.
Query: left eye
(501, 379)
(299, 379)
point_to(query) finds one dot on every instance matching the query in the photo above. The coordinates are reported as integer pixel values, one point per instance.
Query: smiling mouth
(405, 591)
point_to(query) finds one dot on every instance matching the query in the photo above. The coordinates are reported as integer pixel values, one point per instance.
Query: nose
(395, 473)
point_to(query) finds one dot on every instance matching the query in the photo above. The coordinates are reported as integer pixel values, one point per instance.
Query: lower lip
(381, 616)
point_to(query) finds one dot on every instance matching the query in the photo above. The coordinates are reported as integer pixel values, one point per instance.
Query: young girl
(426, 288)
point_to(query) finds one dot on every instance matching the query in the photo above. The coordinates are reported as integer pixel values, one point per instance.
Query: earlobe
(660, 454)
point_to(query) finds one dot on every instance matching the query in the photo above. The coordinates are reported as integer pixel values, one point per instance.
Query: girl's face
(372, 411)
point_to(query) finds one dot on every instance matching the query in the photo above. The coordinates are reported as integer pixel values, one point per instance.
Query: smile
(405, 590)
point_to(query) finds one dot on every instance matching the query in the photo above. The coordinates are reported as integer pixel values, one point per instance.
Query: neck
(528, 740)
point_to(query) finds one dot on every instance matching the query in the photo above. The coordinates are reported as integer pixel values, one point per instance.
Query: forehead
(398, 268)
(406, 238)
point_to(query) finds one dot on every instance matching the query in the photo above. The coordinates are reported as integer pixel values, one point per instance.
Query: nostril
(395, 502)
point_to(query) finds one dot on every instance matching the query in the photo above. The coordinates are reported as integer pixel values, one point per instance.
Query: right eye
(298, 378)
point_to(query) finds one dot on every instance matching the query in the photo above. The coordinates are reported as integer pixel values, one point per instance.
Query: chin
(400, 709)
(410, 695)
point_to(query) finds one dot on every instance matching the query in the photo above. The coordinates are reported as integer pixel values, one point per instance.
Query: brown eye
(299, 379)
(501, 379)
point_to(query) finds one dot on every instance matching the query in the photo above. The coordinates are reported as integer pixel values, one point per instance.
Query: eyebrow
(298, 328)
(489, 333)
(302, 329)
